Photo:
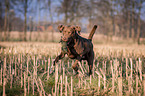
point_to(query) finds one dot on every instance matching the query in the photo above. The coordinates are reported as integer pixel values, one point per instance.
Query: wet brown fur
(79, 48)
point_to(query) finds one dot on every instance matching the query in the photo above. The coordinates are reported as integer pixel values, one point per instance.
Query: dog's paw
(54, 63)
(76, 75)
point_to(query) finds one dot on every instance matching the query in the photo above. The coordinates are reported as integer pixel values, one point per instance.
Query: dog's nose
(64, 39)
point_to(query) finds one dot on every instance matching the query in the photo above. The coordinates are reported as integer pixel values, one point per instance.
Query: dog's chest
(75, 50)
(79, 47)
(71, 52)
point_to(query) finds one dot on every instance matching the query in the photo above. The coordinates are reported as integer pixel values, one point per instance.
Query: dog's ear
(78, 29)
(74, 28)
(60, 28)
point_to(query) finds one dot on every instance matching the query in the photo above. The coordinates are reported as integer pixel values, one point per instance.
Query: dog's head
(68, 32)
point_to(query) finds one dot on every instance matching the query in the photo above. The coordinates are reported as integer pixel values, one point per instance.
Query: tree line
(122, 18)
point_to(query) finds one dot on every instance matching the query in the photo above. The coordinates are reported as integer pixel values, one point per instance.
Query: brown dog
(78, 48)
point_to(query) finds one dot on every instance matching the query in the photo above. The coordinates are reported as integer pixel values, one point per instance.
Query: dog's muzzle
(64, 39)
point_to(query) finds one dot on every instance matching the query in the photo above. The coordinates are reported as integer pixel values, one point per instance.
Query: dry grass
(48, 48)
(40, 48)
(48, 36)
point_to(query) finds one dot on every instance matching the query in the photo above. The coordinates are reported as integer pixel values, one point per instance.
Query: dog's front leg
(80, 57)
(75, 66)
(58, 58)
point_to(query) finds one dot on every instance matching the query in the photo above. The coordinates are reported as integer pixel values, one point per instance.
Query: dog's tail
(92, 32)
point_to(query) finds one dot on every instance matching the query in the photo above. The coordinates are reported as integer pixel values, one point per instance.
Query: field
(26, 69)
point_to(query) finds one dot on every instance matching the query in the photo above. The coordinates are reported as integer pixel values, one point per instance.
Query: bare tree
(30, 27)
(25, 21)
(113, 16)
(139, 24)
(11, 16)
(105, 14)
(7, 5)
(1, 19)
(76, 14)
(128, 20)
(132, 21)
(23, 6)
(39, 9)
(51, 18)
(126, 10)
(65, 8)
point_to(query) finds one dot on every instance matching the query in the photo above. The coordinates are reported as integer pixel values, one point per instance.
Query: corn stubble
(117, 71)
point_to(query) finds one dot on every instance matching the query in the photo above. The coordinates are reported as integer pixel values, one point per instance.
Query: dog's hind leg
(90, 62)
(75, 66)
